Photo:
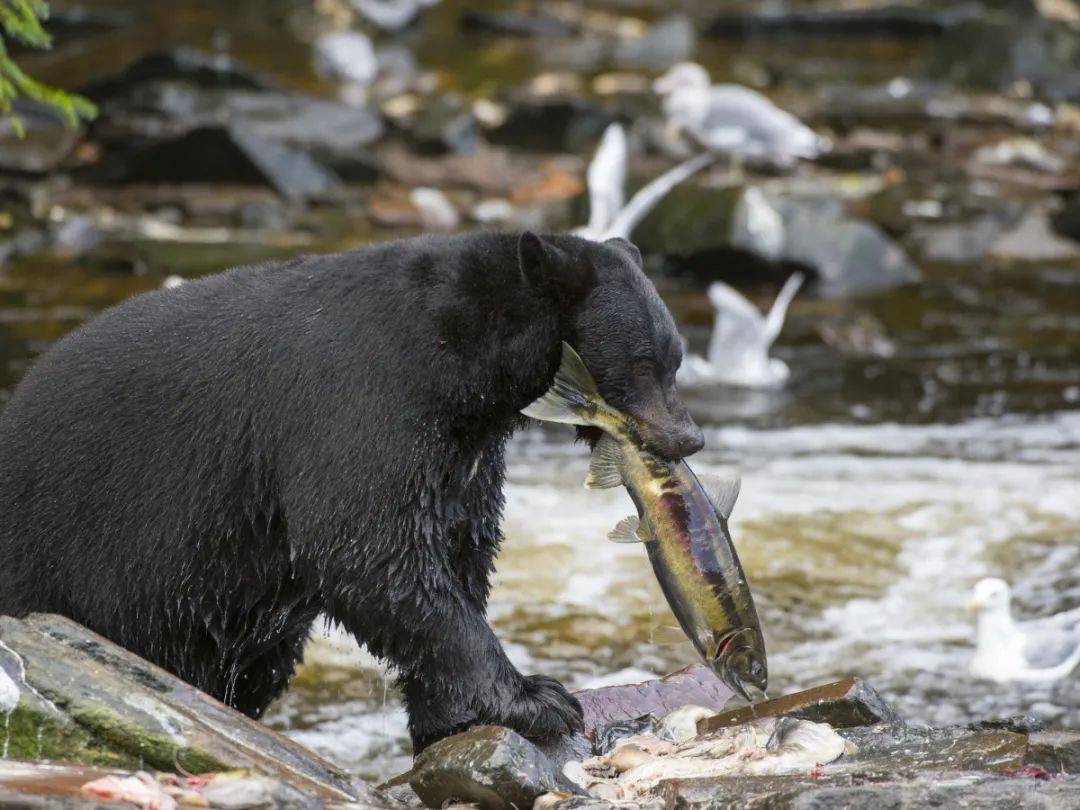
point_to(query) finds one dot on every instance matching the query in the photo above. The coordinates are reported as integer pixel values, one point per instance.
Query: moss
(35, 734)
(153, 750)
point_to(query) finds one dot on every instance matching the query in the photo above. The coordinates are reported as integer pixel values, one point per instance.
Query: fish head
(628, 339)
(742, 663)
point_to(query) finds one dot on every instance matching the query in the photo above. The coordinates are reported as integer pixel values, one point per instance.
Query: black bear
(200, 471)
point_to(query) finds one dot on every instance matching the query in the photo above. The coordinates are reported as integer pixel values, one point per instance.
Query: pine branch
(20, 21)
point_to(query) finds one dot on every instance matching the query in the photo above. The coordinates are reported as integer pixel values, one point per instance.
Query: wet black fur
(199, 472)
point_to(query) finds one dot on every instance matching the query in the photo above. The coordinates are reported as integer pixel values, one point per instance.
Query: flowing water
(876, 491)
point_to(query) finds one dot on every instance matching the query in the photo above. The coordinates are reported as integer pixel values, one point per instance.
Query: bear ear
(627, 247)
(549, 270)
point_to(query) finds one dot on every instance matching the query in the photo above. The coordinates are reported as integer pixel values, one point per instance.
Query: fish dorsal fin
(572, 392)
(628, 530)
(722, 492)
(605, 468)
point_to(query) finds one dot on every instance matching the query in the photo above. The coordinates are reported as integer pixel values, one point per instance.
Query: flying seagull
(610, 215)
(1038, 651)
(738, 351)
(732, 119)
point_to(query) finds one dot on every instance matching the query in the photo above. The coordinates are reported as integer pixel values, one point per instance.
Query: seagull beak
(973, 605)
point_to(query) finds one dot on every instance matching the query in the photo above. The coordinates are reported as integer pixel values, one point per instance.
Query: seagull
(610, 215)
(739, 347)
(391, 15)
(1038, 651)
(732, 119)
(347, 57)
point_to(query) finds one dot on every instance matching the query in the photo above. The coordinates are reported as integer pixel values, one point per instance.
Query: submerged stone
(493, 767)
(842, 704)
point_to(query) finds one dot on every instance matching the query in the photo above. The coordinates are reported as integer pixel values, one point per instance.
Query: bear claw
(545, 709)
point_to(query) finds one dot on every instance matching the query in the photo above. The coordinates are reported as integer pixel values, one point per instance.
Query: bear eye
(644, 368)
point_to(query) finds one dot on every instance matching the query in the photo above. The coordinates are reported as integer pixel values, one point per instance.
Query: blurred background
(929, 432)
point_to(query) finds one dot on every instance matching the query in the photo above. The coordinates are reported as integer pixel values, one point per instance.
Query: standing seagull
(739, 347)
(1038, 651)
(732, 119)
(609, 215)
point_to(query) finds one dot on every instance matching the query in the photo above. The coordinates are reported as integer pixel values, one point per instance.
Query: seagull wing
(1051, 640)
(774, 322)
(766, 128)
(649, 195)
(738, 335)
(606, 177)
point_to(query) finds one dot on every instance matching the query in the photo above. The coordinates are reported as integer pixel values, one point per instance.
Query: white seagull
(610, 215)
(738, 351)
(391, 15)
(732, 119)
(1037, 651)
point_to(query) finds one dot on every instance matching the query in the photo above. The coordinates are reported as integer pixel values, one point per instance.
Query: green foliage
(20, 21)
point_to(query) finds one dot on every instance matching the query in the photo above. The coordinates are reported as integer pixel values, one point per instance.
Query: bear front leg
(452, 669)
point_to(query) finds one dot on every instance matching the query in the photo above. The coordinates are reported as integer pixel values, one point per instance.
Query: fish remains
(683, 524)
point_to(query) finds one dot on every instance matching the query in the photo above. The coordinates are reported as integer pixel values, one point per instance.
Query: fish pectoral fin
(721, 492)
(605, 468)
(629, 530)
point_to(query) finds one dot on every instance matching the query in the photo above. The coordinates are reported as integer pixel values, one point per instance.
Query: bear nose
(689, 441)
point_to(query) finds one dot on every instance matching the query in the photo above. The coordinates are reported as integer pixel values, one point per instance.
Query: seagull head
(990, 595)
(683, 76)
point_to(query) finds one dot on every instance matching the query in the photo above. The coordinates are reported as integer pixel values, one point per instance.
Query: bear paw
(543, 709)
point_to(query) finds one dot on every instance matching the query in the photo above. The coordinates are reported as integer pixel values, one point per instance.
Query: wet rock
(923, 790)
(1034, 240)
(551, 124)
(847, 254)
(186, 65)
(1000, 51)
(842, 704)
(512, 23)
(1066, 220)
(231, 154)
(44, 144)
(345, 56)
(892, 749)
(493, 767)
(444, 124)
(83, 699)
(671, 40)
(871, 19)
(1055, 751)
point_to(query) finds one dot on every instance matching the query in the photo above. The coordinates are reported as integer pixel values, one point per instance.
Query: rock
(984, 791)
(890, 749)
(1033, 240)
(873, 19)
(515, 24)
(231, 154)
(84, 699)
(669, 41)
(695, 224)
(551, 124)
(186, 65)
(45, 142)
(842, 704)
(437, 213)
(1066, 220)
(493, 767)
(444, 124)
(1056, 751)
(848, 255)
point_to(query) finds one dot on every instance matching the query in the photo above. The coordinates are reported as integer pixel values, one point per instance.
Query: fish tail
(572, 398)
